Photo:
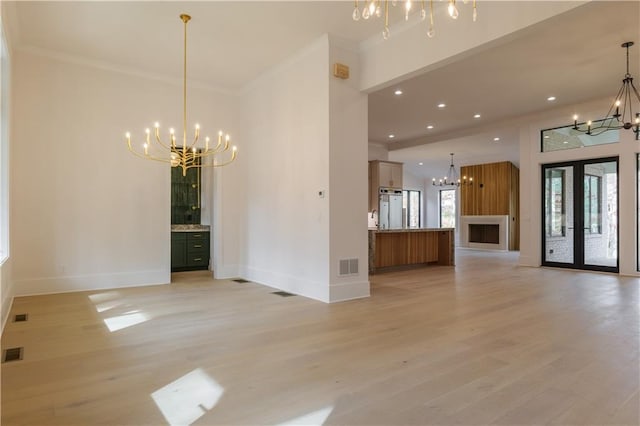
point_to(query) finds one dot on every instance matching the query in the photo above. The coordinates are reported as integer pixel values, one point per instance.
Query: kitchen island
(404, 247)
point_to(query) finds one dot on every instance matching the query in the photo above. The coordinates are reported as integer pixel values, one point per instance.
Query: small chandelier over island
(452, 178)
(187, 155)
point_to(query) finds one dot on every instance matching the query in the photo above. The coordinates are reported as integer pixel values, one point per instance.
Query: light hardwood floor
(486, 342)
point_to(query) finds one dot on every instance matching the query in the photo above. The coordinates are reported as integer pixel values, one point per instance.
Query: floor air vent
(13, 354)
(283, 293)
(20, 317)
(240, 280)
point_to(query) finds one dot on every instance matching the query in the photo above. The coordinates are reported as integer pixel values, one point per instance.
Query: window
(4, 148)
(411, 206)
(592, 204)
(554, 202)
(447, 208)
(562, 138)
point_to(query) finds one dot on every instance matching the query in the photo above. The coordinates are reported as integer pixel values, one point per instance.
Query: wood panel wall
(495, 191)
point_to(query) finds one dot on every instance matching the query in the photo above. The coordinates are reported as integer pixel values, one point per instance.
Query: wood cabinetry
(495, 191)
(410, 247)
(189, 251)
(383, 174)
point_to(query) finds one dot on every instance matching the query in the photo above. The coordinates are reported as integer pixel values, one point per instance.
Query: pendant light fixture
(374, 9)
(452, 178)
(621, 113)
(186, 155)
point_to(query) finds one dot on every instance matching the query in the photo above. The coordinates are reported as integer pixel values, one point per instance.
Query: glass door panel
(558, 215)
(600, 222)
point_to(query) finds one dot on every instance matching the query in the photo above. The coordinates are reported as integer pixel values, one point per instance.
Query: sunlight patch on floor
(123, 321)
(185, 400)
(310, 419)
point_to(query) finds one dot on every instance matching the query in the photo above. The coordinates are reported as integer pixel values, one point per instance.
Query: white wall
(87, 214)
(307, 135)
(287, 162)
(348, 176)
(378, 151)
(531, 160)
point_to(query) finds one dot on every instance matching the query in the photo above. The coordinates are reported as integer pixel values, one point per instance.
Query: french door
(580, 214)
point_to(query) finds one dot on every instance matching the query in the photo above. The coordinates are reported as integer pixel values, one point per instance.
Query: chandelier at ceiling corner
(374, 9)
(187, 155)
(452, 178)
(623, 117)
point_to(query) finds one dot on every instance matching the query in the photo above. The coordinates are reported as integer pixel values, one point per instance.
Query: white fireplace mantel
(501, 221)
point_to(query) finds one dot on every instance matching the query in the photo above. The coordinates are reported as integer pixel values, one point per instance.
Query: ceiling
(574, 56)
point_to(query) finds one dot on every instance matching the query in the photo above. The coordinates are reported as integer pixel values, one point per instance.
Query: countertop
(190, 228)
(409, 230)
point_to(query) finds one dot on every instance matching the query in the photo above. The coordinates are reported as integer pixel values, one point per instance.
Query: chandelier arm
(159, 141)
(148, 157)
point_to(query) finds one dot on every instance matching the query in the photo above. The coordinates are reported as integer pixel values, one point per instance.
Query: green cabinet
(189, 251)
(185, 196)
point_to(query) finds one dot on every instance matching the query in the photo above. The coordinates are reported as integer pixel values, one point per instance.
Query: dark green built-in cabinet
(185, 200)
(189, 251)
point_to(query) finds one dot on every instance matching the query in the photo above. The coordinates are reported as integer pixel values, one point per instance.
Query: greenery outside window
(554, 200)
(592, 204)
(412, 208)
(447, 204)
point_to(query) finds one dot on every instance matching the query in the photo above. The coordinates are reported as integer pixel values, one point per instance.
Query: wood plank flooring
(484, 342)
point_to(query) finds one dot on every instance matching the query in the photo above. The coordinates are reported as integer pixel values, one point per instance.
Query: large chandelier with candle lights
(620, 114)
(376, 9)
(185, 154)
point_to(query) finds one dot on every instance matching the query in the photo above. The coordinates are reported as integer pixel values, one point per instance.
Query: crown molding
(107, 66)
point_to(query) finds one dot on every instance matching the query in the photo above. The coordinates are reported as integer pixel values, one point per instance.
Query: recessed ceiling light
(430, 126)
(398, 92)
(392, 136)
(496, 139)
(421, 164)
(551, 98)
(565, 142)
(476, 116)
(546, 136)
(442, 105)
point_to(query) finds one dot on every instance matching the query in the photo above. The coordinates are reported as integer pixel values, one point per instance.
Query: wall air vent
(348, 267)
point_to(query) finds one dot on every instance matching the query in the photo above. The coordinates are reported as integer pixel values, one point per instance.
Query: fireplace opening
(484, 233)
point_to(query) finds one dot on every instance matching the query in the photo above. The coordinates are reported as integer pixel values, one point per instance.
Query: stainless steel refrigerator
(390, 209)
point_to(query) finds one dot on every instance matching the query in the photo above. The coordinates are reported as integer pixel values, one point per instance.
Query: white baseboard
(223, 272)
(32, 287)
(349, 291)
(289, 283)
(7, 302)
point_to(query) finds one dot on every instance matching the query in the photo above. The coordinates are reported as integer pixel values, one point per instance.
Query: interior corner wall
(286, 159)
(348, 178)
(86, 214)
(531, 160)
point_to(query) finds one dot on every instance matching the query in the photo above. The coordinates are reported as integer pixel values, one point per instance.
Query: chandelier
(185, 155)
(623, 117)
(373, 8)
(452, 178)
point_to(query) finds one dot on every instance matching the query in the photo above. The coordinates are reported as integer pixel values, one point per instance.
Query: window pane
(566, 138)
(414, 209)
(448, 208)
